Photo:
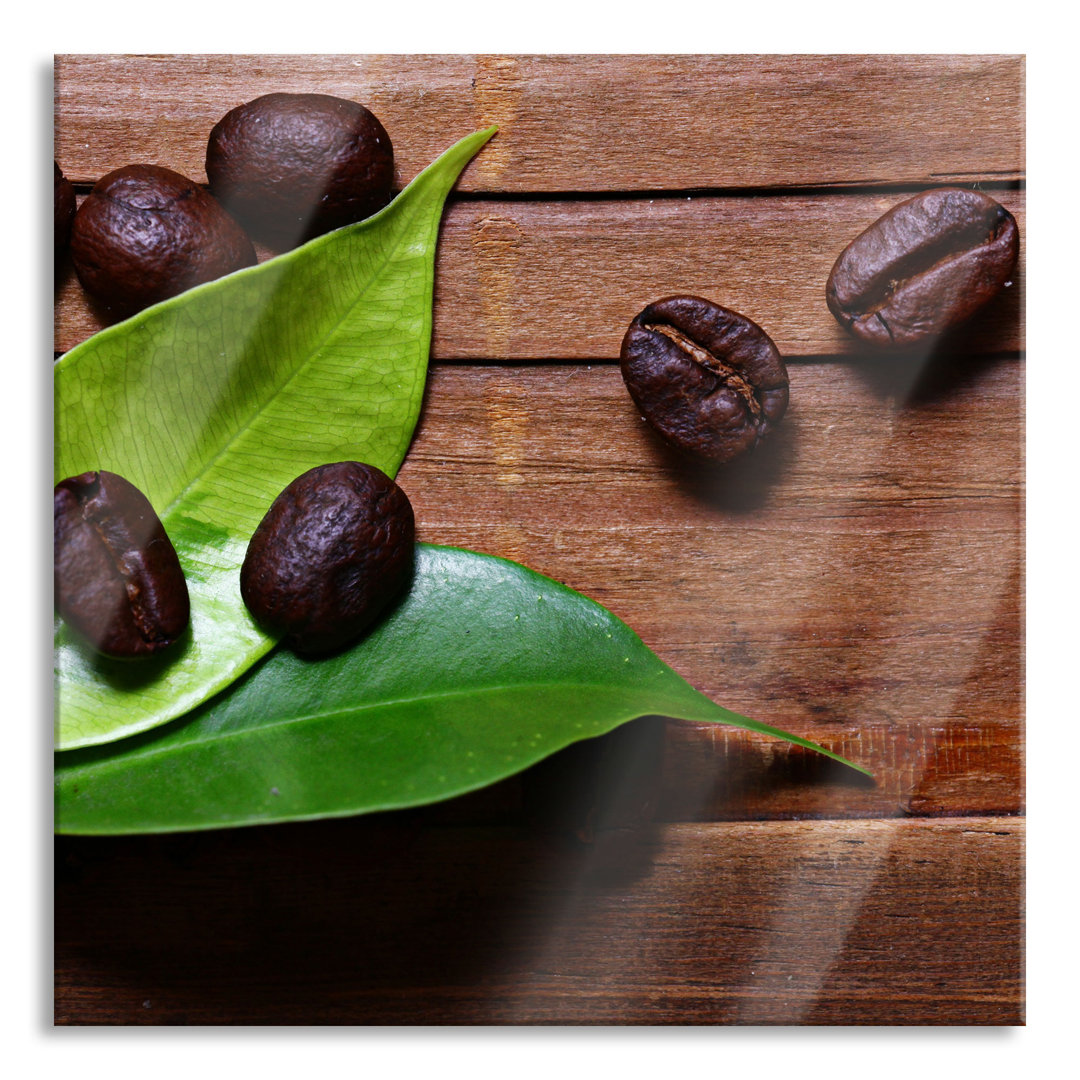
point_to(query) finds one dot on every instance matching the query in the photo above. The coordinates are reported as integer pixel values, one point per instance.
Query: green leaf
(213, 401)
(485, 668)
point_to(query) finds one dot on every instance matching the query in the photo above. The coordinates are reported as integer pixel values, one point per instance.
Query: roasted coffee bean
(145, 233)
(63, 207)
(709, 380)
(334, 549)
(292, 166)
(117, 580)
(923, 268)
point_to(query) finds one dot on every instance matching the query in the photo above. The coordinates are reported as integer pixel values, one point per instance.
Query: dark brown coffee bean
(292, 166)
(145, 233)
(332, 552)
(117, 580)
(924, 267)
(708, 379)
(63, 207)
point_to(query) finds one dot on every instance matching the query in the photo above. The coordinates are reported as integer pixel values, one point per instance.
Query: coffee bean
(117, 580)
(709, 380)
(292, 166)
(923, 268)
(145, 233)
(334, 549)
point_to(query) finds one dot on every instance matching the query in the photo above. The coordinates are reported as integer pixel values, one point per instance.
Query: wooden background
(859, 581)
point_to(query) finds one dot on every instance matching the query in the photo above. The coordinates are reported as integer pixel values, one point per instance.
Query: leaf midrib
(353, 710)
(176, 504)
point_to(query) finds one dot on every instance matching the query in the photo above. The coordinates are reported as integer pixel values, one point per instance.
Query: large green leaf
(483, 669)
(213, 401)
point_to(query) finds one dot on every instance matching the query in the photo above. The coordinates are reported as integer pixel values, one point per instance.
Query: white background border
(34, 1046)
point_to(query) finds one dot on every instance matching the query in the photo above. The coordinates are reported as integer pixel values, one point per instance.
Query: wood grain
(583, 123)
(396, 921)
(561, 280)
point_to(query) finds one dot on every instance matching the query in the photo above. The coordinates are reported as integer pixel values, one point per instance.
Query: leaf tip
(850, 764)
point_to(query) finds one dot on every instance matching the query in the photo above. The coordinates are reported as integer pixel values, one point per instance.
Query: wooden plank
(583, 123)
(385, 921)
(858, 582)
(562, 279)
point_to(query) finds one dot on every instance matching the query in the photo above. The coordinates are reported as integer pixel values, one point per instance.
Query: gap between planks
(519, 280)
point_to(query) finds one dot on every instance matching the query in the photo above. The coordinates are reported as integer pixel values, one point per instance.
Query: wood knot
(497, 232)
